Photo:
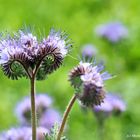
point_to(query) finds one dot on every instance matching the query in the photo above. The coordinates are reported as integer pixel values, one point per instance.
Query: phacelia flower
(22, 53)
(23, 133)
(50, 118)
(56, 40)
(112, 104)
(88, 80)
(23, 108)
(114, 31)
(29, 43)
(118, 104)
(88, 51)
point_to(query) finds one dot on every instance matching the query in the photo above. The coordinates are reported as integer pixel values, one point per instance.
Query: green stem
(101, 130)
(33, 110)
(65, 116)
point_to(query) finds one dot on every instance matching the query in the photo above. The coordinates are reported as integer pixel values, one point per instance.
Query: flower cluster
(113, 32)
(45, 114)
(24, 50)
(88, 81)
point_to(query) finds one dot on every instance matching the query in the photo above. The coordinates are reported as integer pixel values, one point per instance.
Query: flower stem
(33, 110)
(65, 116)
(101, 130)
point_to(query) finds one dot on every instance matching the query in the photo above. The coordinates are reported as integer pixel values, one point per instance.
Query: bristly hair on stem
(65, 117)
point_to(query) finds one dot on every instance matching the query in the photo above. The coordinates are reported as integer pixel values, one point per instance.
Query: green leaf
(53, 134)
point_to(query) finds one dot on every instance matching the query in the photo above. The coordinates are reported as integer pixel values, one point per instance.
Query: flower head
(89, 83)
(23, 109)
(56, 40)
(89, 51)
(118, 104)
(23, 133)
(49, 118)
(114, 31)
(22, 53)
(29, 43)
(112, 104)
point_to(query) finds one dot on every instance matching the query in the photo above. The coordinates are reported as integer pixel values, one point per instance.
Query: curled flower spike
(22, 54)
(89, 83)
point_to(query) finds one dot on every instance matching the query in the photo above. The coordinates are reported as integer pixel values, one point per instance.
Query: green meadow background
(79, 19)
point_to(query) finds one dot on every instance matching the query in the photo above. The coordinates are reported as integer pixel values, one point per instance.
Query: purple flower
(46, 116)
(114, 31)
(23, 133)
(29, 43)
(112, 103)
(88, 51)
(106, 106)
(118, 104)
(89, 80)
(50, 117)
(56, 40)
(8, 47)
(21, 44)
(23, 109)
(26, 50)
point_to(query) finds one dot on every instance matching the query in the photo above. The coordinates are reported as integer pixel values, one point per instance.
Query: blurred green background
(79, 19)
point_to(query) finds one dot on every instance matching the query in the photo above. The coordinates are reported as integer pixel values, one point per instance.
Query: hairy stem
(65, 116)
(33, 110)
